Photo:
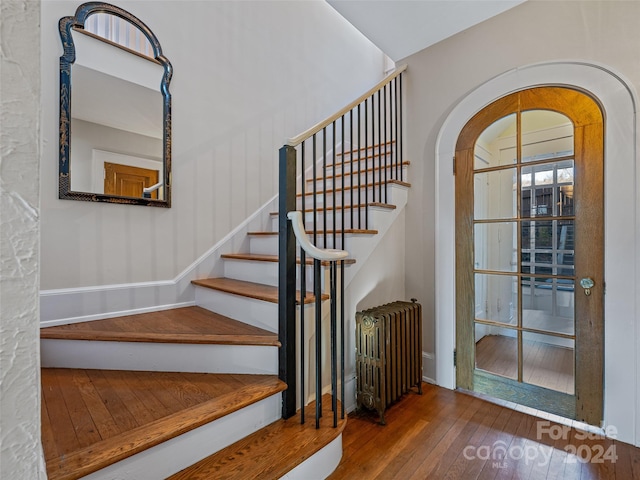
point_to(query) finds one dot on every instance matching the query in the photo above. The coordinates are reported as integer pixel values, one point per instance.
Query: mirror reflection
(115, 109)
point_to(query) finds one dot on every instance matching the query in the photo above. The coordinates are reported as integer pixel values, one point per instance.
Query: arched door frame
(622, 267)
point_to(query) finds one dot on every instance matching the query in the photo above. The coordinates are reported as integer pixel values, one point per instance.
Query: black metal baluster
(384, 118)
(359, 167)
(334, 183)
(303, 287)
(324, 184)
(343, 174)
(351, 185)
(334, 343)
(400, 142)
(379, 152)
(395, 100)
(315, 192)
(342, 342)
(316, 287)
(366, 163)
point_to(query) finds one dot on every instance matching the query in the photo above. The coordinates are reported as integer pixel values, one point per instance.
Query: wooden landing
(271, 452)
(194, 325)
(258, 291)
(94, 418)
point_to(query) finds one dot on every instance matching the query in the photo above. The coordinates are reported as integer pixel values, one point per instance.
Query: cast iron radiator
(388, 354)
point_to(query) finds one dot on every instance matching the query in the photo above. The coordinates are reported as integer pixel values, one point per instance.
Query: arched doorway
(530, 252)
(621, 257)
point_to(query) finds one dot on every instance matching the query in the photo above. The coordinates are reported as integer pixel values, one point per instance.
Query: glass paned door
(520, 177)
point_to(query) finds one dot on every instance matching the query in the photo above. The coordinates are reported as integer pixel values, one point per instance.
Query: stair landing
(194, 325)
(94, 418)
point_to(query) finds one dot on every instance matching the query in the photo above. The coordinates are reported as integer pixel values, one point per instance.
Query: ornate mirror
(115, 143)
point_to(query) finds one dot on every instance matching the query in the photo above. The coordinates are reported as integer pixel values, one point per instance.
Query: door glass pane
(495, 246)
(495, 194)
(497, 350)
(547, 189)
(548, 361)
(548, 304)
(545, 135)
(496, 298)
(497, 144)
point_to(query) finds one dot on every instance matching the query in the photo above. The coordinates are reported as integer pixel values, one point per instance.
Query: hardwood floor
(447, 434)
(544, 365)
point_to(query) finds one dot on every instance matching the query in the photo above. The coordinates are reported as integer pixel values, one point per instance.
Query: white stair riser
(265, 273)
(160, 357)
(263, 244)
(183, 451)
(244, 309)
(319, 465)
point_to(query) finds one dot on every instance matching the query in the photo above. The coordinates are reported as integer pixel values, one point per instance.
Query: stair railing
(345, 162)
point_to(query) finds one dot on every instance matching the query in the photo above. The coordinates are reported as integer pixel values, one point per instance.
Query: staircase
(197, 392)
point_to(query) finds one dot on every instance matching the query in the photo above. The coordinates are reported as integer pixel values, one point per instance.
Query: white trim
(123, 313)
(618, 98)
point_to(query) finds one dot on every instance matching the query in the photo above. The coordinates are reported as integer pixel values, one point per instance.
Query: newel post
(287, 281)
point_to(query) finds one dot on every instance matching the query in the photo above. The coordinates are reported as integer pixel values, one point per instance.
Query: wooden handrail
(327, 254)
(297, 140)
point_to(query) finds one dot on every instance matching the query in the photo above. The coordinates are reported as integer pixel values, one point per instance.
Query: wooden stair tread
(271, 452)
(258, 291)
(358, 172)
(348, 187)
(369, 147)
(193, 325)
(350, 231)
(274, 258)
(94, 418)
(345, 207)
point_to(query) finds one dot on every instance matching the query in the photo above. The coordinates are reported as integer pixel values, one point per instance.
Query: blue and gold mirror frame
(77, 23)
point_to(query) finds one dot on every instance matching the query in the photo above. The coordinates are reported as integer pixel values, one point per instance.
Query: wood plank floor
(93, 418)
(447, 434)
(544, 365)
(181, 325)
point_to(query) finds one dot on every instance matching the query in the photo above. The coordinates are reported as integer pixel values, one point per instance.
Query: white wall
(247, 75)
(89, 136)
(441, 77)
(20, 449)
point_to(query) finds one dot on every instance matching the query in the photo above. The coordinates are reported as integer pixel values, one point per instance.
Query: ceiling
(403, 27)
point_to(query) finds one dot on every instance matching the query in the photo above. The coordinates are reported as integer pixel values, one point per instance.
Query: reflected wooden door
(128, 181)
(530, 252)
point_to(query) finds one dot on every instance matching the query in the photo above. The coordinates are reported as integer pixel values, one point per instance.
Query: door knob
(587, 283)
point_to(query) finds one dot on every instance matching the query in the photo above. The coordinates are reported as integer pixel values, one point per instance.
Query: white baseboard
(122, 313)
